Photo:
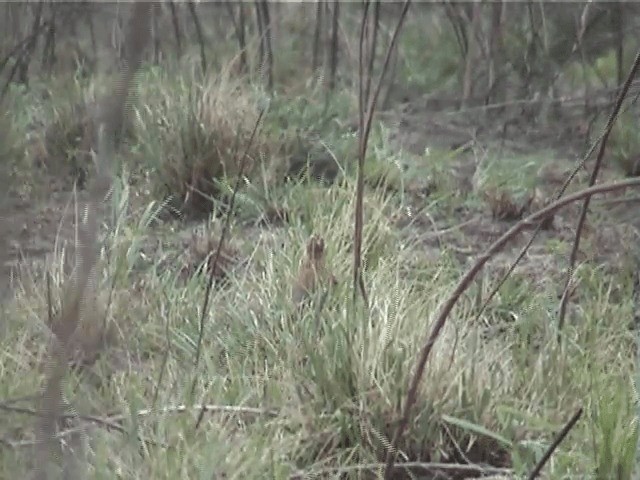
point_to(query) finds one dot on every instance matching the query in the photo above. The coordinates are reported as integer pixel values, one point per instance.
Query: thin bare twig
(216, 258)
(333, 57)
(113, 420)
(200, 34)
(565, 100)
(364, 79)
(107, 423)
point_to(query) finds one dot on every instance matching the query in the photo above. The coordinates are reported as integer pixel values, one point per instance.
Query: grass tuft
(193, 134)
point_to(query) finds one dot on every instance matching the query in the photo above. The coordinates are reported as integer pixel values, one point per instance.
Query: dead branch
(22, 52)
(263, 22)
(372, 50)
(470, 58)
(240, 31)
(176, 28)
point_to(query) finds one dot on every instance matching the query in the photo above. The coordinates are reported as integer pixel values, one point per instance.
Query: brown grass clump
(36, 152)
(64, 134)
(504, 206)
(198, 134)
(201, 250)
(274, 216)
(319, 167)
(312, 271)
(538, 202)
(549, 180)
(630, 165)
(551, 176)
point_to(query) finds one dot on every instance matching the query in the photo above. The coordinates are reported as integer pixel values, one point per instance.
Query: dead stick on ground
(464, 283)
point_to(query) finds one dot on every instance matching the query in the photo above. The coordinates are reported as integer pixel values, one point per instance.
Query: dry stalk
(364, 128)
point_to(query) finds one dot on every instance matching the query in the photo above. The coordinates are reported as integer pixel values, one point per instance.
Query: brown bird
(312, 271)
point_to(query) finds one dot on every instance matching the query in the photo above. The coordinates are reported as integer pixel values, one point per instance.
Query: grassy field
(310, 390)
